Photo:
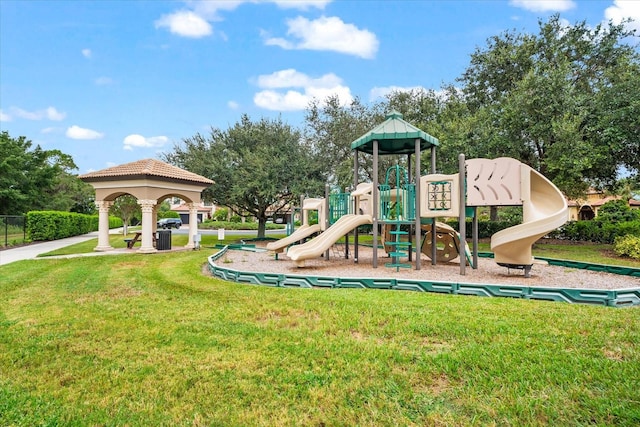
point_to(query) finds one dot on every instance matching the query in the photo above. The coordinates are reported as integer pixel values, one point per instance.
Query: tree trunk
(262, 225)
(493, 213)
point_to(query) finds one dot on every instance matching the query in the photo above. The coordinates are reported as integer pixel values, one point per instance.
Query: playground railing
(339, 205)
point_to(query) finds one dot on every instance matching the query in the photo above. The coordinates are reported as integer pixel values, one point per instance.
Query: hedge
(486, 229)
(230, 225)
(596, 231)
(54, 225)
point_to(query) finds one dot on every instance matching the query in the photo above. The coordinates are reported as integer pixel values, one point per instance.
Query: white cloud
(138, 141)
(49, 130)
(209, 9)
(4, 117)
(233, 105)
(28, 115)
(301, 4)
(86, 53)
(55, 115)
(293, 78)
(76, 132)
(308, 88)
(49, 113)
(544, 5)
(103, 81)
(381, 92)
(622, 9)
(195, 21)
(327, 33)
(185, 23)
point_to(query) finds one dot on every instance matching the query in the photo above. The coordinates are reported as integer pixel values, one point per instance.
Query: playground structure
(405, 206)
(306, 229)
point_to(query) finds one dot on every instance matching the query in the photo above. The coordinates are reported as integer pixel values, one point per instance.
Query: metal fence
(14, 230)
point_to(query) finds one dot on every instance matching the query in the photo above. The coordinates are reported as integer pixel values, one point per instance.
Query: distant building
(587, 209)
(205, 210)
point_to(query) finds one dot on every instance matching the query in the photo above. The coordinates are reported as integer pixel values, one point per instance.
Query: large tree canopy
(331, 127)
(34, 179)
(256, 166)
(565, 101)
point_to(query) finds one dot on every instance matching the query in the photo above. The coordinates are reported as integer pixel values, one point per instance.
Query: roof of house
(146, 168)
(184, 208)
(600, 202)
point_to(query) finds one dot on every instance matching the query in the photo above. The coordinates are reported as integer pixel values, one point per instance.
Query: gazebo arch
(149, 181)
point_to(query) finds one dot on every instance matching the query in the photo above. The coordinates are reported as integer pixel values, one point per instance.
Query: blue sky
(110, 81)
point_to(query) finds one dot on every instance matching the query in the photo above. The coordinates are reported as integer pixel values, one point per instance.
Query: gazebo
(150, 181)
(394, 136)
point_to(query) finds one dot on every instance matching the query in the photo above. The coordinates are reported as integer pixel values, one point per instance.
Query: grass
(12, 239)
(117, 241)
(149, 340)
(584, 252)
(591, 252)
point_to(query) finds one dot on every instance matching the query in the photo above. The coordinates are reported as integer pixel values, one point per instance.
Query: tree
(564, 101)
(30, 177)
(330, 128)
(72, 194)
(256, 166)
(126, 207)
(443, 114)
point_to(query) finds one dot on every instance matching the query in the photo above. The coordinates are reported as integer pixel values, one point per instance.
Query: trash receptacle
(163, 242)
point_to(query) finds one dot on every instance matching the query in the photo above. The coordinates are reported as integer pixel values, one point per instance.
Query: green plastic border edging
(611, 298)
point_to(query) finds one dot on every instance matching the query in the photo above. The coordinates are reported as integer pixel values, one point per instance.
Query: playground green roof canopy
(394, 136)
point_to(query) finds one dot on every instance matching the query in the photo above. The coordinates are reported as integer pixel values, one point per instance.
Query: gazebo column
(147, 225)
(193, 224)
(103, 226)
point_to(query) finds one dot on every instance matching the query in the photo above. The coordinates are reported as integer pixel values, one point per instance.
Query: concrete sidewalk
(32, 251)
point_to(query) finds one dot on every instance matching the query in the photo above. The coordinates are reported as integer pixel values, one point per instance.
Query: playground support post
(433, 160)
(434, 247)
(410, 181)
(346, 236)
(356, 208)
(462, 217)
(417, 207)
(475, 238)
(327, 216)
(376, 208)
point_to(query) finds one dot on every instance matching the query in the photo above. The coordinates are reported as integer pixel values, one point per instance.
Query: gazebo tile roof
(145, 168)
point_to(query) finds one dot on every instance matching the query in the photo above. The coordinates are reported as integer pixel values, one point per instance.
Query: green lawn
(149, 340)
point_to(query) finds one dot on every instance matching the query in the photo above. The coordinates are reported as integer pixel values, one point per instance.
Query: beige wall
(145, 189)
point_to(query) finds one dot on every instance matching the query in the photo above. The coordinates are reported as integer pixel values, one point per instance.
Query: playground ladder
(400, 249)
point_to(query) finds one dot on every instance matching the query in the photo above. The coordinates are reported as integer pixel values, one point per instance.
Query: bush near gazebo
(54, 225)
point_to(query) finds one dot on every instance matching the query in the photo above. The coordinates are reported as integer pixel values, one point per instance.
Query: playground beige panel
(493, 182)
(439, 196)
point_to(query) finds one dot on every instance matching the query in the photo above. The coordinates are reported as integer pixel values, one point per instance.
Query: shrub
(617, 211)
(628, 245)
(168, 214)
(485, 228)
(221, 214)
(114, 222)
(596, 231)
(54, 225)
(235, 218)
(214, 225)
